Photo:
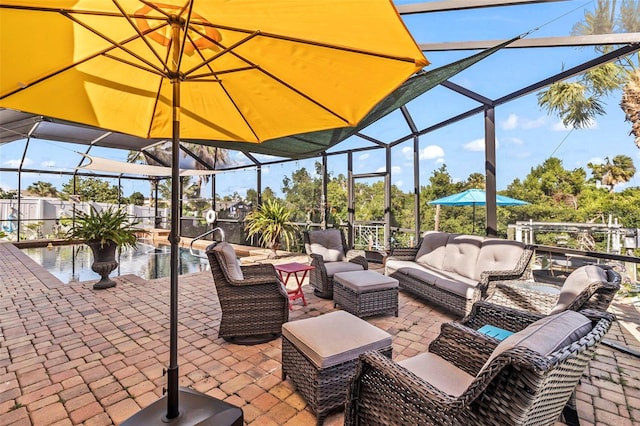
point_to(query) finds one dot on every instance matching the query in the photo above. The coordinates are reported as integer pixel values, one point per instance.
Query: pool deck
(70, 355)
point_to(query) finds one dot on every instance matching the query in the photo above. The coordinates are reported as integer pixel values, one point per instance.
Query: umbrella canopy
(202, 69)
(249, 70)
(475, 197)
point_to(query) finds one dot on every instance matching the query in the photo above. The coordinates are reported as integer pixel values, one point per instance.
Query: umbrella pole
(174, 237)
(197, 408)
(473, 219)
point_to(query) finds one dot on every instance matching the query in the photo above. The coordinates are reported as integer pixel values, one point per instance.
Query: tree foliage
(43, 189)
(91, 189)
(580, 100)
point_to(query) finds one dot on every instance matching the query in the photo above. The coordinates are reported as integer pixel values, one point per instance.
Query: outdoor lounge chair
(588, 287)
(253, 301)
(329, 255)
(466, 379)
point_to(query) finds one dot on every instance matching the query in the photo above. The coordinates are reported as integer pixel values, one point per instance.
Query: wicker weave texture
(256, 305)
(366, 303)
(324, 389)
(321, 282)
(519, 387)
(460, 305)
(597, 295)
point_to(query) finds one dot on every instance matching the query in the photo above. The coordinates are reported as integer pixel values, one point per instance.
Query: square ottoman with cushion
(320, 354)
(365, 293)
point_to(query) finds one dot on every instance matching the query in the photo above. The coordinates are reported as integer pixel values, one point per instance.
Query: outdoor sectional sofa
(454, 270)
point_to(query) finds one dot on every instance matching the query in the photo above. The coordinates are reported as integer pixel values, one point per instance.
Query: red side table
(294, 268)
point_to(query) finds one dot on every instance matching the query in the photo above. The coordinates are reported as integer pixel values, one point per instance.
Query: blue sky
(526, 135)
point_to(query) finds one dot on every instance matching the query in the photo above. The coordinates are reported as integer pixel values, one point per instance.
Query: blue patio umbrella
(475, 197)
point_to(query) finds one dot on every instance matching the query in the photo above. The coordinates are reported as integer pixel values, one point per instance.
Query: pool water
(72, 263)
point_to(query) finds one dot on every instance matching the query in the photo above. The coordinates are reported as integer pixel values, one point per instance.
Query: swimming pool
(72, 263)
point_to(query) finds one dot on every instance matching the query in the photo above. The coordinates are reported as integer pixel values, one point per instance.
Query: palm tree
(631, 104)
(578, 102)
(271, 222)
(613, 172)
(213, 156)
(43, 189)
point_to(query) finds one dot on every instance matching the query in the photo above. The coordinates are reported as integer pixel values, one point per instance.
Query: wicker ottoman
(365, 293)
(320, 355)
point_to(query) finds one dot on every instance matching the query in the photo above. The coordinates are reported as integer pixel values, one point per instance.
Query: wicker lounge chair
(466, 379)
(254, 303)
(329, 254)
(588, 287)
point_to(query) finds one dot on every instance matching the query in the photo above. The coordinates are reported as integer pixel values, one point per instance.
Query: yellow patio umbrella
(223, 70)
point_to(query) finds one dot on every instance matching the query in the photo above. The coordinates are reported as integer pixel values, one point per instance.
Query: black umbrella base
(195, 409)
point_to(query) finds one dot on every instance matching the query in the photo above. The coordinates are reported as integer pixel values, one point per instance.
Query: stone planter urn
(104, 262)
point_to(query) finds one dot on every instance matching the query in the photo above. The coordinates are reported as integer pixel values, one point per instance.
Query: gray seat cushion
(334, 338)
(577, 282)
(439, 373)
(498, 255)
(547, 334)
(461, 254)
(432, 247)
(462, 286)
(335, 267)
(364, 281)
(230, 259)
(327, 243)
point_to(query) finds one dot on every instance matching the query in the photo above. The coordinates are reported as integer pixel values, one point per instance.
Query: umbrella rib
(217, 55)
(137, 30)
(308, 42)
(231, 51)
(115, 44)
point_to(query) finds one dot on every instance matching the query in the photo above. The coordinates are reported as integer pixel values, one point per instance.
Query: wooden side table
(294, 268)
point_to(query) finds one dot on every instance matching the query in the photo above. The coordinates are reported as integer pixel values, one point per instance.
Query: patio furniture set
(526, 372)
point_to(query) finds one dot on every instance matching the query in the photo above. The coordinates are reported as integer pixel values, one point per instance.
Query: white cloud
(510, 123)
(407, 152)
(394, 169)
(477, 145)
(14, 164)
(596, 160)
(514, 121)
(49, 163)
(363, 157)
(432, 152)
(399, 183)
(560, 127)
(514, 141)
(533, 124)
(440, 160)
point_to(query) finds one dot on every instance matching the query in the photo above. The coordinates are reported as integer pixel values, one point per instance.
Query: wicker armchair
(253, 301)
(329, 254)
(520, 384)
(588, 287)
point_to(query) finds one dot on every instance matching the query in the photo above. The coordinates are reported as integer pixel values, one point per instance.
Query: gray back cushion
(461, 254)
(230, 259)
(547, 334)
(327, 243)
(431, 251)
(577, 282)
(497, 254)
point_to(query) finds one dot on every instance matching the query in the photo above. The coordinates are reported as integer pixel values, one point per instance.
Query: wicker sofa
(454, 270)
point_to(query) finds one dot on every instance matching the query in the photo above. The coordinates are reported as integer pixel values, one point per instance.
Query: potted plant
(271, 222)
(104, 231)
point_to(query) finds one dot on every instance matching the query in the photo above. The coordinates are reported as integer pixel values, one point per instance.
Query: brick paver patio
(70, 355)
